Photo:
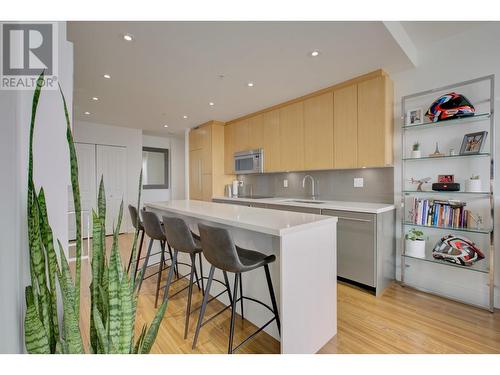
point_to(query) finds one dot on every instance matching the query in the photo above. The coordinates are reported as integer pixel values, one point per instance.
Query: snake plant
(112, 291)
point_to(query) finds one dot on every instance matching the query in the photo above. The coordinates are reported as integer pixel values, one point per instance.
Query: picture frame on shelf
(415, 116)
(446, 178)
(473, 143)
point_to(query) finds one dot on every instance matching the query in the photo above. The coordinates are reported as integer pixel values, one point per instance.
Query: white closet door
(85, 154)
(111, 164)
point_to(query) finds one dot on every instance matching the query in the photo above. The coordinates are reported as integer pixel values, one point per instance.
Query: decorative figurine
(478, 220)
(420, 182)
(436, 153)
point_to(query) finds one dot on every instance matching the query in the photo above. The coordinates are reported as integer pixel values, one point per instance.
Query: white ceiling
(172, 69)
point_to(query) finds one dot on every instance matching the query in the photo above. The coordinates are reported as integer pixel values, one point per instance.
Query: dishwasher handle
(353, 219)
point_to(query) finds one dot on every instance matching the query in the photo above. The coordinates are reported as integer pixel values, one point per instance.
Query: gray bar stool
(181, 239)
(137, 223)
(221, 252)
(154, 230)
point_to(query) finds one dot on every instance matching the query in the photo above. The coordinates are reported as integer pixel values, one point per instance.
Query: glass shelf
(408, 192)
(482, 154)
(458, 121)
(470, 230)
(480, 266)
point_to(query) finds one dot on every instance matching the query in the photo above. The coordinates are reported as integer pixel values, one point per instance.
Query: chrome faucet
(313, 193)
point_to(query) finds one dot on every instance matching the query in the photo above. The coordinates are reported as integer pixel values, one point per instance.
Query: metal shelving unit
(485, 266)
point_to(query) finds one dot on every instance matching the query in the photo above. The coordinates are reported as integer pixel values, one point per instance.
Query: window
(154, 168)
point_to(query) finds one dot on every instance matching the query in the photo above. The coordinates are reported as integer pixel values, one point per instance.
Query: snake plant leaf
(136, 234)
(101, 331)
(37, 342)
(101, 210)
(140, 340)
(38, 262)
(115, 271)
(71, 328)
(76, 201)
(53, 267)
(31, 187)
(150, 337)
(101, 201)
(97, 253)
(127, 319)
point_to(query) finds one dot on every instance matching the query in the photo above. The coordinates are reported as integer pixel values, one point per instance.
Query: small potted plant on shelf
(415, 243)
(415, 150)
(473, 184)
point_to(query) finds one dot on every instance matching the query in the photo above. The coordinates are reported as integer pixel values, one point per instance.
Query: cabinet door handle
(353, 219)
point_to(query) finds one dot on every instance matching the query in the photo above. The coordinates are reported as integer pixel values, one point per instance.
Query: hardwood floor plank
(402, 320)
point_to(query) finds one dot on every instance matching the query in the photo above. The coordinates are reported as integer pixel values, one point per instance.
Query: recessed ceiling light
(211, 104)
(314, 53)
(95, 98)
(184, 117)
(107, 76)
(250, 84)
(165, 126)
(87, 113)
(128, 37)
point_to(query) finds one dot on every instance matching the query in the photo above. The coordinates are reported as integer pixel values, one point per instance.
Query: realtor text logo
(27, 50)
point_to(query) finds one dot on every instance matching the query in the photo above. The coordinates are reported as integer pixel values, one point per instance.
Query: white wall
(175, 145)
(456, 59)
(88, 132)
(134, 140)
(51, 170)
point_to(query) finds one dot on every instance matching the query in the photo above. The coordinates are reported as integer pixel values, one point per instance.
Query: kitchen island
(304, 274)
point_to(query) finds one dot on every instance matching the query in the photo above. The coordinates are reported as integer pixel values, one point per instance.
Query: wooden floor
(401, 321)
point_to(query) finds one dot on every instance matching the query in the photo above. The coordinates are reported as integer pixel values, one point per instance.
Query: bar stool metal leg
(174, 264)
(190, 293)
(233, 314)
(160, 270)
(203, 305)
(201, 274)
(241, 296)
(144, 266)
(139, 252)
(273, 297)
(226, 281)
(170, 277)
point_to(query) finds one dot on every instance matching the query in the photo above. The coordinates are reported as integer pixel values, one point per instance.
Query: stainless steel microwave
(246, 162)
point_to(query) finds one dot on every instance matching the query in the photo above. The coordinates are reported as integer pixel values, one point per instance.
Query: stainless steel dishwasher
(356, 246)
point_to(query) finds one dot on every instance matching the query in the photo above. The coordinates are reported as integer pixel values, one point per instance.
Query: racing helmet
(458, 250)
(448, 106)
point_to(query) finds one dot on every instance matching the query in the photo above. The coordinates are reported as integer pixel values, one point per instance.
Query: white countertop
(372, 208)
(262, 220)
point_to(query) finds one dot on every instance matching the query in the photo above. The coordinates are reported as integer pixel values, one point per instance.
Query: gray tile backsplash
(330, 185)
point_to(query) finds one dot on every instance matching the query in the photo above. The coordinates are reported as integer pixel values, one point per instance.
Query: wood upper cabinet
(318, 132)
(348, 125)
(195, 174)
(206, 161)
(241, 136)
(271, 141)
(345, 129)
(375, 125)
(229, 148)
(255, 126)
(195, 142)
(292, 137)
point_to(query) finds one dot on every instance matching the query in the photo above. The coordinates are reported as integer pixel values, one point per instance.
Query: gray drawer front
(307, 210)
(356, 246)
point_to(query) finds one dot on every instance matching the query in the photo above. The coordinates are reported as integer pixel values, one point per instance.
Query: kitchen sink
(305, 201)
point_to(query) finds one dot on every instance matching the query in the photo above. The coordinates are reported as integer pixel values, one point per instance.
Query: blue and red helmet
(450, 106)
